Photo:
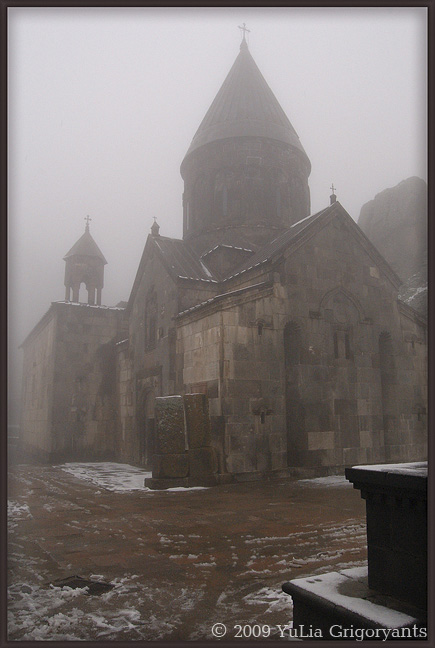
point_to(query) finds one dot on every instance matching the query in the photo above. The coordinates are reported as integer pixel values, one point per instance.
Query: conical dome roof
(85, 246)
(245, 106)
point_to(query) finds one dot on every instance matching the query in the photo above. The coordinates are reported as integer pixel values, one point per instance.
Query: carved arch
(338, 291)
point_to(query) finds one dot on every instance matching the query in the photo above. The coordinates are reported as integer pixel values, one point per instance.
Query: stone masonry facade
(285, 324)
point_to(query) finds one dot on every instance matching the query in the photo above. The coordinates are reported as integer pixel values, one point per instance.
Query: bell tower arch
(84, 264)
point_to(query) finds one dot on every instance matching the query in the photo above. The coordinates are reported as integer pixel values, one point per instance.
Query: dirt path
(180, 561)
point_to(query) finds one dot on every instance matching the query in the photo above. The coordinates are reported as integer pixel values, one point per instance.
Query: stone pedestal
(396, 506)
(391, 593)
(342, 601)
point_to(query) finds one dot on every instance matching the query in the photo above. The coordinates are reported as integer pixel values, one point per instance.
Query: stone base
(205, 480)
(280, 473)
(202, 463)
(342, 600)
(170, 466)
(396, 505)
(156, 483)
(225, 478)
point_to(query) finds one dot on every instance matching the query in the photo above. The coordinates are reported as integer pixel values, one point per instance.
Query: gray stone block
(170, 466)
(170, 426)
(197, 420)
(205, 480)
(202, 462)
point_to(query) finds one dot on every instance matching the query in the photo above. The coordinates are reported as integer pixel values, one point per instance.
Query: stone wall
(37, 389)
(84, 410)
(316, 371)
(128, 442)
(152, 349)
(69, 383)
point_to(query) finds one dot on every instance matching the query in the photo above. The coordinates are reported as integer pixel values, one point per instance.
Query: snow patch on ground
(273, 597)
(17, 512)
(116, 477)
(64, 614)
(332, 480)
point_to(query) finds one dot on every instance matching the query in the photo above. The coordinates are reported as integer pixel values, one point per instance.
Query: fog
(104, 102)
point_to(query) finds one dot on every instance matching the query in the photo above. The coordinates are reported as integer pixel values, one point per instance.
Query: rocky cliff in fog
(396, 223)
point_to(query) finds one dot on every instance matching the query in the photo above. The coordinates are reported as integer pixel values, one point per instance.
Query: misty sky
(104, 102)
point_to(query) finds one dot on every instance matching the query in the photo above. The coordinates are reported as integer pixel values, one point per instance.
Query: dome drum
(244, 182)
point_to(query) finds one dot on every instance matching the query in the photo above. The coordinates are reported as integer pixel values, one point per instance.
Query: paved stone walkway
(180, 561)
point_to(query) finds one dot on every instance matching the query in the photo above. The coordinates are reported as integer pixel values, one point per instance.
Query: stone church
(289, 322)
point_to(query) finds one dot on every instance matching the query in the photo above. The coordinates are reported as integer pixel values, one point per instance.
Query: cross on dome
(244, 29)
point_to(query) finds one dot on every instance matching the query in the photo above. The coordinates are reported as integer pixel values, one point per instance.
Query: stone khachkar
(183, 453)
(388, 598)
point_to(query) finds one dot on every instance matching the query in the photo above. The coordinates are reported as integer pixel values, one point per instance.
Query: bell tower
(246, 172)
(84, 264)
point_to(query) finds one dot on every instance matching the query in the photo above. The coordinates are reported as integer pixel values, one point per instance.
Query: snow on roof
(225, 245)
(118, 308)
(221, 296)
(182, 260)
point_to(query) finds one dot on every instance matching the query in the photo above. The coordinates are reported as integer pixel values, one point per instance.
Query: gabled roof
(245, 106)
(181, 260)
(298, 232)
(277, 245)
(178, 258)
(233, 236)
(85, 246)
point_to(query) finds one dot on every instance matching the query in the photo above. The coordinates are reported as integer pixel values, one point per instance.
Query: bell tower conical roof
(85, 246)
(245, 106)
(84, 264)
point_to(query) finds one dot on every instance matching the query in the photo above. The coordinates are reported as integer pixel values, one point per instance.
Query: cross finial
(88, 220)
(332, 197)
(155, 227)
(244, 29)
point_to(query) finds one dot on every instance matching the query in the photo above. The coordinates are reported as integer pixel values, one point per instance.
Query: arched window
(200, 201)
(222, 184)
